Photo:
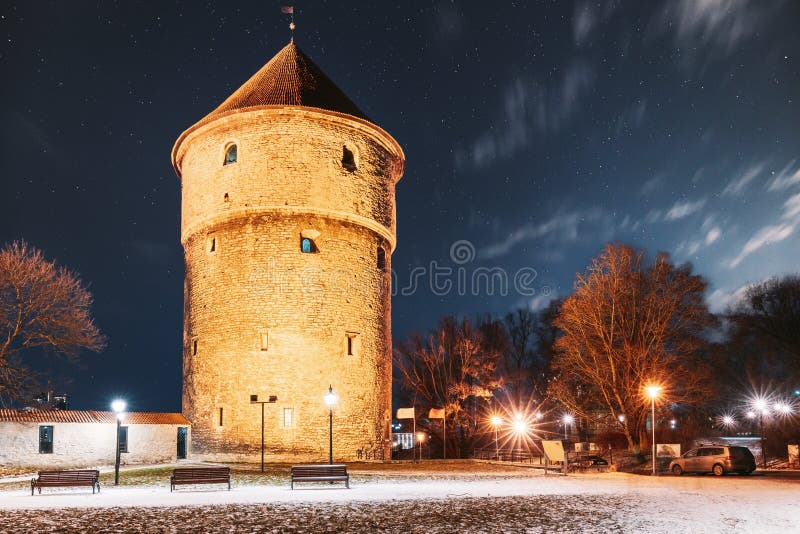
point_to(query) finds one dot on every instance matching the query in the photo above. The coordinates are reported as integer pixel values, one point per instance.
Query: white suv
(717, 459)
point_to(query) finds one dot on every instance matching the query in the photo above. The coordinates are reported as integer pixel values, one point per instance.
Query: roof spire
(289, 10)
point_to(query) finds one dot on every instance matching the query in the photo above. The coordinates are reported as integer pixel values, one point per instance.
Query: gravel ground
(493, 514)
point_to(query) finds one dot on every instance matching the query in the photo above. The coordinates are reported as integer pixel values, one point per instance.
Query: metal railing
(508, 455)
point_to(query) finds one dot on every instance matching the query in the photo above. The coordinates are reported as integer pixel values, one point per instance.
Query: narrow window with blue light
(230, 154)
(307, 246)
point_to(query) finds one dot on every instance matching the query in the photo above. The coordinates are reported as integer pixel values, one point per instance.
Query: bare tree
(453, 368)
(526, 361)
(519, 358)
(770, 311)
(630, 323)
(43, 307)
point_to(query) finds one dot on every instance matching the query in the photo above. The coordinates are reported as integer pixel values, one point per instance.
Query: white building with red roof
(54, 439)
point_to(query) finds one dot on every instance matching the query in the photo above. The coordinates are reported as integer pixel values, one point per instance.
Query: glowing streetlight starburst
(520, 427)
(726, 420)
(653, 391)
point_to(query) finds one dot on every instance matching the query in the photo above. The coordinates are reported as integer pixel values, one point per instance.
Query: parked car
(717, 459)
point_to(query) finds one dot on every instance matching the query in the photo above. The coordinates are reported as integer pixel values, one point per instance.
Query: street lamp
(118, 406)
(270, 400)
(420, 438)
(520, 427)
(652, 392)
(727, 420)
(331, 399)
(568, 419)
(762, 409)
(496, 422)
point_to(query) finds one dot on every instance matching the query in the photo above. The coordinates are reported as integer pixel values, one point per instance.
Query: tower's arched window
(348, 158)
(230, 154)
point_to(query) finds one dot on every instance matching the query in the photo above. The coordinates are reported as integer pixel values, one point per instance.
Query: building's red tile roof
(90, 416)
(289, 79)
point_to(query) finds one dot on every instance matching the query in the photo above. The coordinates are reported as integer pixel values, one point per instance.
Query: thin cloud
(529, 106)
(791, 208)
(652, 216)
(540, 302)
(716, 26)
(721, 299)
(632, 117)
(583, 22)
(789, 221)
(786, 178)
(765, 236)
(562, 227)
(651, 186)
(737, 186)
(713, 235)
(682, 209)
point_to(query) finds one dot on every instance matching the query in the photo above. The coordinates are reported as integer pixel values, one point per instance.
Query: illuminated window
(307, 245)
(46, 439)
(348, 158)
(381, 261)
(288, 417)
(230, 154)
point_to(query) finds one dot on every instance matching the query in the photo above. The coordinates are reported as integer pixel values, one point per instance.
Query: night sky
(534, 131)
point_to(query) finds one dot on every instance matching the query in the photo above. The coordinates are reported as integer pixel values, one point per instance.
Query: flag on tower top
(289, 10)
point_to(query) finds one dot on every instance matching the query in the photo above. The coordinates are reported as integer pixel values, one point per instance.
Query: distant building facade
(55, 439)
(288, 226)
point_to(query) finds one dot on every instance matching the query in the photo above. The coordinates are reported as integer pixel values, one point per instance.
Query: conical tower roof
(289, 79)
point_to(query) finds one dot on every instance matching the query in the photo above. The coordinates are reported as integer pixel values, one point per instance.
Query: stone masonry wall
(261, 317)
(85, 445)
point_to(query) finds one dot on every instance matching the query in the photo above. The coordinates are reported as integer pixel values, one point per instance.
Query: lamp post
(420, 438)
(331, 399)
(496, 422)
(568, 419)
(652, 392)
(270, 400)
(118, 406)
(761, 408)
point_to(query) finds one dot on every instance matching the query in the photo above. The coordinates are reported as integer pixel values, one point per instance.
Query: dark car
(717, 459)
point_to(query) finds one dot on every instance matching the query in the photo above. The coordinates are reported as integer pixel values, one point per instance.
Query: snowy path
(603, 502)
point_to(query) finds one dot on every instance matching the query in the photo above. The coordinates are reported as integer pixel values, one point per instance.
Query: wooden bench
(200, 475)
(320, 473)
(74, 477)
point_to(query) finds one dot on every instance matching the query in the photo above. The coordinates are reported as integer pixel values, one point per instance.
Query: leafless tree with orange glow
(630, 323)
(43, 307)
(453, 368)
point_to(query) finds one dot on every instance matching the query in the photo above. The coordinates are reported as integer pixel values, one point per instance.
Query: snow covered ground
(508, 500)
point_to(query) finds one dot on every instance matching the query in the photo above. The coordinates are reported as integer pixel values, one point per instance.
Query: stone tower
(287, 225)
